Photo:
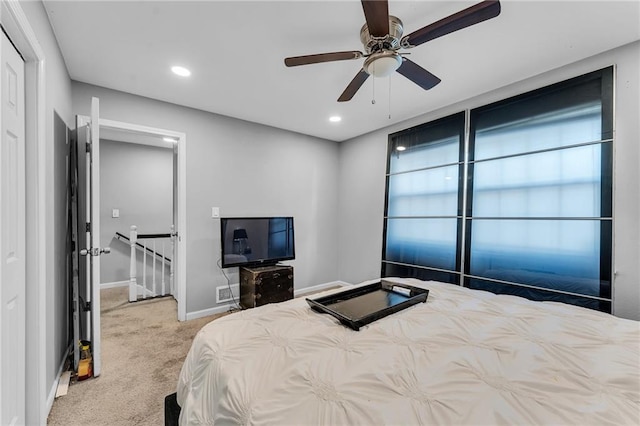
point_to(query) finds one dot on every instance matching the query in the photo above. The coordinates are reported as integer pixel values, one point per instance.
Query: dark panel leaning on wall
(61, 283)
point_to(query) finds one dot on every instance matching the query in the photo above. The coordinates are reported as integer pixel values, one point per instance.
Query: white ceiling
(235, 50)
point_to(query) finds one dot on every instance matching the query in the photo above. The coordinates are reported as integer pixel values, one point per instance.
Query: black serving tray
(363, 305)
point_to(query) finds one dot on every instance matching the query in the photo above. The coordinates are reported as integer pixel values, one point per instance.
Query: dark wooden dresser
(265, 284)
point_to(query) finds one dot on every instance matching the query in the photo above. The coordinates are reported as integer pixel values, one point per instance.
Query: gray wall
(58, 99)
(363, 166)
(245, 169)
(137, 180)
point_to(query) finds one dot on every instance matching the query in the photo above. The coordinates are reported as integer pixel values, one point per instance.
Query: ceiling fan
(382, 38)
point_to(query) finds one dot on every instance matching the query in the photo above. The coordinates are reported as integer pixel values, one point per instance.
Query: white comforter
(464, 357)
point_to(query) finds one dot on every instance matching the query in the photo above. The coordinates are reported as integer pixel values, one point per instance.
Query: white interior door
(81, 294)
(93, 196)
(12, 237)
(88, 145)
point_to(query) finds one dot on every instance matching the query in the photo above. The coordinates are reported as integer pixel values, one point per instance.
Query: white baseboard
(52, 392)
(114, 284)
(210, 311)
(296, 293)
(302, 291)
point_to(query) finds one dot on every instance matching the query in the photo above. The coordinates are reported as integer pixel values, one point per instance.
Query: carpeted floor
(143, 348)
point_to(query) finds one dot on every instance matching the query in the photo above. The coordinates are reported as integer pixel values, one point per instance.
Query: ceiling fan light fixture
(382, 64)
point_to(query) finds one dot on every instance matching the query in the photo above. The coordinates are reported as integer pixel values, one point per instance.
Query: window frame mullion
(462, 238)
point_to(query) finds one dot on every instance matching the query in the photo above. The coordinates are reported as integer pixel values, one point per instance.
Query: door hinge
(88, 146)
(88, 227)
(87, 307)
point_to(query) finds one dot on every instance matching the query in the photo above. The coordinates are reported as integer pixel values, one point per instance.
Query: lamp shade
(382, 64)
(239, 233)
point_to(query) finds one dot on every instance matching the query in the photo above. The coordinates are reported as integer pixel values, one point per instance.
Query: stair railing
(147, 244)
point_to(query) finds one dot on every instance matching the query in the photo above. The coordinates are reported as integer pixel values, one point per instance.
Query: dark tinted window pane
(437, 153)
(391, 270)
(536, 294)
(549, 119)
(432, 144)
(424, 242)
(432, 192)
(557, 254)
(564, 183)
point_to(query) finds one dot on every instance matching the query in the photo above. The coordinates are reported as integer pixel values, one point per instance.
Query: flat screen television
(256, 241)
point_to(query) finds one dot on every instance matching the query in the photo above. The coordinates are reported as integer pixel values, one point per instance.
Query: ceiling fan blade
(376, 13)
(353, 87)
(465, 18)
(322, 57)
(417, 74)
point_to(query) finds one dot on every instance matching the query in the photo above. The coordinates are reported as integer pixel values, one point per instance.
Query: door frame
(17, 27)
(180, 206)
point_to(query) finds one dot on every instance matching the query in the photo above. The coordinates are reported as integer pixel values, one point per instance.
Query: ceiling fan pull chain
(373, 87)
(389, 96)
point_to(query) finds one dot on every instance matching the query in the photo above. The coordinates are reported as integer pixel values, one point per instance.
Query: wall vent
(223, 294)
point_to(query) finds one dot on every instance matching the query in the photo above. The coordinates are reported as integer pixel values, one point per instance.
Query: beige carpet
(143, 348)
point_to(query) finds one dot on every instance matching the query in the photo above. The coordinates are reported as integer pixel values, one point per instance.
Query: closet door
(12, 236)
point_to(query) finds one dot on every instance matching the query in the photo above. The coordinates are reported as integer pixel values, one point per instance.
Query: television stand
(265, 284)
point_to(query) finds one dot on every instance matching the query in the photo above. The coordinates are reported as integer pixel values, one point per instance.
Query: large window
(424, 206)
(533, 217)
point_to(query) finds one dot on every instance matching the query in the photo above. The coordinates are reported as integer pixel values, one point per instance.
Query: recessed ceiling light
(400, 148)
(335, 119)
(181, 71)
(168, 139)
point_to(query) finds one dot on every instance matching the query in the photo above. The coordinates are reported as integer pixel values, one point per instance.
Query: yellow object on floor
(85, 366)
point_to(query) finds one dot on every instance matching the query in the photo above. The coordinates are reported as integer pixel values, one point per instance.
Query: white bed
(463, 357)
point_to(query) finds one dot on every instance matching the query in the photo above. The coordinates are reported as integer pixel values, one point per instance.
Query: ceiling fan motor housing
(383, 57)
(390, 41)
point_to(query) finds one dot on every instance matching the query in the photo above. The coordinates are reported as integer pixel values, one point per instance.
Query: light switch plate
(115, 213)
(215, 212)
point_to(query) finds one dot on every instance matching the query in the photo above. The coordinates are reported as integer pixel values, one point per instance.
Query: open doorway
(165, 146)
(136, 216)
